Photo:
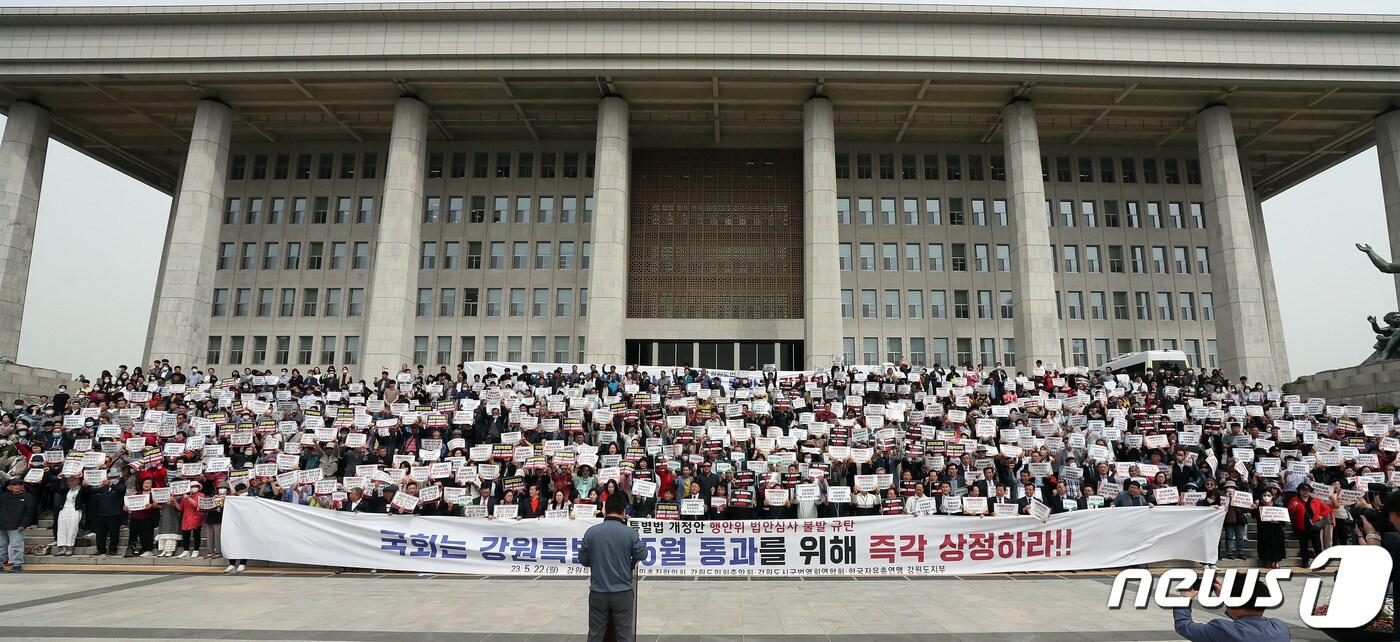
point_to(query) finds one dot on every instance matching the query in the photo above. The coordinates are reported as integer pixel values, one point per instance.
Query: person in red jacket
(1307, 513)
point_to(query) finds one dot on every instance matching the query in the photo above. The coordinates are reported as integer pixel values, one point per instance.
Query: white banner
(901, 544)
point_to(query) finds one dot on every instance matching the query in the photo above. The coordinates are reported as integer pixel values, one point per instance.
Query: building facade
(722, 185)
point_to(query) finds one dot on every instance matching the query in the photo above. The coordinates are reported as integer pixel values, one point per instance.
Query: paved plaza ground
(77, 603)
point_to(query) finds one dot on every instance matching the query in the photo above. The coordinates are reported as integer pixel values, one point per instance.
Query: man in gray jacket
(610, 550)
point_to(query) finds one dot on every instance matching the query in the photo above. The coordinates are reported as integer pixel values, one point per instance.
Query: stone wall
(18, 381)
(1368, 385)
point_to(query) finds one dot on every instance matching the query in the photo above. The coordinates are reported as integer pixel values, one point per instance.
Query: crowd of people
(155, 451)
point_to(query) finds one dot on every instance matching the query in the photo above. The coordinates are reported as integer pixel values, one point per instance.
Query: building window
(420, 350)
(303, 351)
(260, 349)
(338, 255)
(264, 302)
(938, 304)
(471, 301)
(889, 257)
(286, 307)
(444, 351)
(866, 210)
(1006, 303)
(1096, 306)
(242, 298)
(891, 304)
(867, 304)
(1207, 306)
(1120, 306)
(447, 302)
(355, 307)
(215, 350)
(235, 350)
(425, 302)
(517, 302)
(232, 207)
(544, 255)
(491, 348)
(219, 303)
(1144, 306)
(427, 259)
(498, 255)
(332, 302)
(564, 302)
(250, 254)
(468, 350)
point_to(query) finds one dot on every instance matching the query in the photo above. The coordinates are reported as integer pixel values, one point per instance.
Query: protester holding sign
(826, 443)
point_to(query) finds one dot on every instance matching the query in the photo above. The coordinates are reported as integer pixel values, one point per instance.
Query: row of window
(356, 256)
(520, 255)
(542, 349)
(1064, 213)
(919, 353)
(343, 210)
(277, 350)
(350, 166)
(442, 302)
(985, 256)
(285, 304)
(1082, 169)
(910, 304)
(254, 350)
(537, 209)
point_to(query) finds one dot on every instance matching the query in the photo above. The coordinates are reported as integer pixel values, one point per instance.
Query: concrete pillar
(821, 271)
(1388, 152)
(1241, 324)
(607, 280)
(1037, 322)
(22, 153)
(1266, 279)
(181, 327)
(394, 280)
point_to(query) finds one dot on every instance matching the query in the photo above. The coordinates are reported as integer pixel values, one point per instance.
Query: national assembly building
(716, 184)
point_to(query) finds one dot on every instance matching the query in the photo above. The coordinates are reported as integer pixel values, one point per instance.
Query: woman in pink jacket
(191, 522)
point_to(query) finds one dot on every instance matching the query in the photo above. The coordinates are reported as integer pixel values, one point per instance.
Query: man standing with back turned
(611, 549)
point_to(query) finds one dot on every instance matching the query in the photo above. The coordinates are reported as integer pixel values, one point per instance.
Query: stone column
(22, 152)
(821, 273)
(1266, 279)
(1037, 322)
(394, 279)
(1388, 151)
(181, 327)
(607, 280)
(1241, 327)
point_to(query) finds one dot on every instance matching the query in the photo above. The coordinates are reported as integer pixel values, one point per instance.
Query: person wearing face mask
(214, 520)
(1271, 546)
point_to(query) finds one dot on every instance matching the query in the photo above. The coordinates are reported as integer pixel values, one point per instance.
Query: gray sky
(98, 244)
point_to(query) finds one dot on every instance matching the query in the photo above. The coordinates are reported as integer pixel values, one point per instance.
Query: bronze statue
(1388, 338)
(1380, 263)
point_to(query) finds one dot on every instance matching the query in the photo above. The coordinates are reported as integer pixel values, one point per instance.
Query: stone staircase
(39, 548)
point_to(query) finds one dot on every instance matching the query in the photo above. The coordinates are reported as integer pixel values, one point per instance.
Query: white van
(1139, 362)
